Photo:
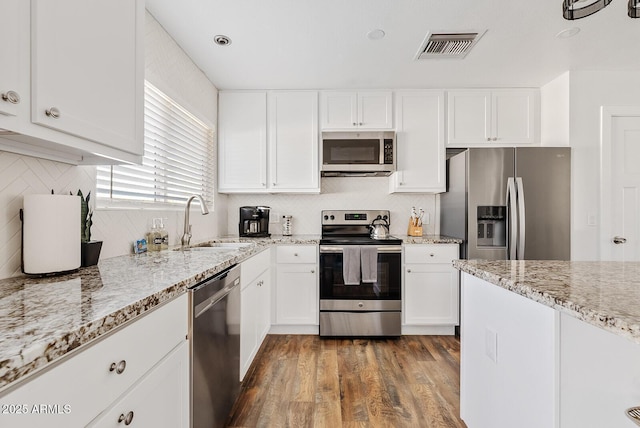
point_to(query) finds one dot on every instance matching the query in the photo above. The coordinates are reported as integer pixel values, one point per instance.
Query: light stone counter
(604, 294)
(43, 319)
(429, 239)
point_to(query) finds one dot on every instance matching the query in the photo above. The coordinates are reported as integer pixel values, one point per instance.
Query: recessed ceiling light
(222, 40)
(569, 32)
(376, 34)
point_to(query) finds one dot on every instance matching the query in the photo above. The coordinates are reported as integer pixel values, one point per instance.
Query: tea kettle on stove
(379, 228)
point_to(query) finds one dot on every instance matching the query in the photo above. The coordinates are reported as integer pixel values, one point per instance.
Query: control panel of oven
(340, 217)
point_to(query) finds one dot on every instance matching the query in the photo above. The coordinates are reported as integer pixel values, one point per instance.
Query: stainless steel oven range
(360, 276)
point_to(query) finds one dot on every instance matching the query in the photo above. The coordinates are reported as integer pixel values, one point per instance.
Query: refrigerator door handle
(521, 219)
(512, 222)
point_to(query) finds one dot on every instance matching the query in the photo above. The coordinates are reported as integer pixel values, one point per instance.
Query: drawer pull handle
(52, 112)
(126, 419)
(11, 97)
(119, 368)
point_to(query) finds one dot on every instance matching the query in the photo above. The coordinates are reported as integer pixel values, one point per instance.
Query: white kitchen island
(549, 343)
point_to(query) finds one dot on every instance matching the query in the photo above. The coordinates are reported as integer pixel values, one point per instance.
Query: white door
(621, 184)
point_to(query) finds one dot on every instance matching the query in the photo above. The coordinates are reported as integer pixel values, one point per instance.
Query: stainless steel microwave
(366, 153)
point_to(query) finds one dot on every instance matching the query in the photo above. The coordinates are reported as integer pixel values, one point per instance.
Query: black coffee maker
(254, 221)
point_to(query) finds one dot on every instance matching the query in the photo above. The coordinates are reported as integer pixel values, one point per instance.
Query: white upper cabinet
(77, 69)
(242, 141)
(493, 117)
(14, 43)
(285, 159)
(85, 65)
(293, 141)
(342, 110)
(420, 142)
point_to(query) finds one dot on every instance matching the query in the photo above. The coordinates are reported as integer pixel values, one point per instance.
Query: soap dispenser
(153, 237)
(164, 236)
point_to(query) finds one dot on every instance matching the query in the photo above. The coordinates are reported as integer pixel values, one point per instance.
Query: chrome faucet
(186, 236)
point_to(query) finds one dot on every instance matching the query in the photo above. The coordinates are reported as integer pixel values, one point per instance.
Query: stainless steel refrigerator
(509, 203)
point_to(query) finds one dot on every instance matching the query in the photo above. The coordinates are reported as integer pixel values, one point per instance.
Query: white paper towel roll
(50, 234)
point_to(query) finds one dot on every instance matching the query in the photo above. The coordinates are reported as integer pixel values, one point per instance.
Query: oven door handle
(334, 249)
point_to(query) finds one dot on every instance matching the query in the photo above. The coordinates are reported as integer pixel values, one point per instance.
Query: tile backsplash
(339, 193)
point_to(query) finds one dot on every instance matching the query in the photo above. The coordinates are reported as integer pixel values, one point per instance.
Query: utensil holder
(414, 229)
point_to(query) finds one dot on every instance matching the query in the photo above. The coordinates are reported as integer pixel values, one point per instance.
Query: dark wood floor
(305, 381)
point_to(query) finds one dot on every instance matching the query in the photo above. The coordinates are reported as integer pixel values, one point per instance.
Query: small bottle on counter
(286, 225)
(154, 239)
(164, 236)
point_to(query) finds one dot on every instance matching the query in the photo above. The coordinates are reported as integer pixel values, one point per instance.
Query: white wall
(554, 108)
(589, 91)
(338, 193)
(171, 70)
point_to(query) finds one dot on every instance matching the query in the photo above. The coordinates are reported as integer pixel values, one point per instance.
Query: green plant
(86, 214)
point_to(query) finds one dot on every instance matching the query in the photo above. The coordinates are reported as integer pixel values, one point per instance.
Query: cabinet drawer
(254, 266)
(86, 383)
(296, 254)
(431, 253)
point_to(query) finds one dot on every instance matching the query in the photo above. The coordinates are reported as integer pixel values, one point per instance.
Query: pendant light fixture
(634, 8)
(576, 9)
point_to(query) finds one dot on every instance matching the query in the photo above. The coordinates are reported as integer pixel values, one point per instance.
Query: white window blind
(178, 158)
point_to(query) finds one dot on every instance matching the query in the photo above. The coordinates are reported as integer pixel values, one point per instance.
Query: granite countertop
(604, 294)
(429, 239)
(43, 319)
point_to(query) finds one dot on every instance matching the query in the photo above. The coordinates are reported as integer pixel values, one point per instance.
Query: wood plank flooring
(305, 381)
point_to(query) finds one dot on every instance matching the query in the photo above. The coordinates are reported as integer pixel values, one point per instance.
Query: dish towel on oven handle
(369, 263)
(351, 264)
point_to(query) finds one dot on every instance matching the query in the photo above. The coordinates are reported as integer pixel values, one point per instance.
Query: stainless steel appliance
(254, 221)
(215, 348)
(358, 153)
(509, 203)
(360, 277)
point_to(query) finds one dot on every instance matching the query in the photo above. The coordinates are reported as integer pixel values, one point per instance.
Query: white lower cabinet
(431, 289)
(508, 364)
(117, 369)
(255, 306)
(159, 399)
(599, 376)
(297, 287)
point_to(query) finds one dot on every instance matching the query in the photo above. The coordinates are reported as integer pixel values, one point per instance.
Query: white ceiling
(320, 44)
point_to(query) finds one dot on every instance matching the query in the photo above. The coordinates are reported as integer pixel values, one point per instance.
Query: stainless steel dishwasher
(215, 348)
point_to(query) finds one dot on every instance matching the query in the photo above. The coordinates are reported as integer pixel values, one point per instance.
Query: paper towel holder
(50, 234)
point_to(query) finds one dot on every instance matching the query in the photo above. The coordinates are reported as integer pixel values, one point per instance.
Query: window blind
(178, 158)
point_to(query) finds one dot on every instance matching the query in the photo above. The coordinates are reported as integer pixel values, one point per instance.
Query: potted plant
(90, 250)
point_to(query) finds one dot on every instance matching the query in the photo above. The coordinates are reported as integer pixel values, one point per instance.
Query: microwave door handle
(521, 219)
(512, 219)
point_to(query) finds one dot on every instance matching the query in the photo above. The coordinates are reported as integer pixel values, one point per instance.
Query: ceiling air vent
(448, 44)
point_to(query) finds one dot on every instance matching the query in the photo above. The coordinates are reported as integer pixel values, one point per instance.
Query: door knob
(619, 240)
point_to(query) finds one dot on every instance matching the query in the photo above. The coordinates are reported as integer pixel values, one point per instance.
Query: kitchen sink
(220, 246)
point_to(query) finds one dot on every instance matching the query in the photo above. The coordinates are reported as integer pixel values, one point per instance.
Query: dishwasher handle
(231, 279)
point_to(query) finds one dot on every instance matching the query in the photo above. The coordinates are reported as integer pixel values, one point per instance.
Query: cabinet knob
(495, 138)
(52, 112)
(360, 305)
(360, 124)
(408, 270)
(488, 138)
(432, 255)
(355, 124)
(295, 254)
(119, 367)
(313, 271)
(126, 419)
(11, 97)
